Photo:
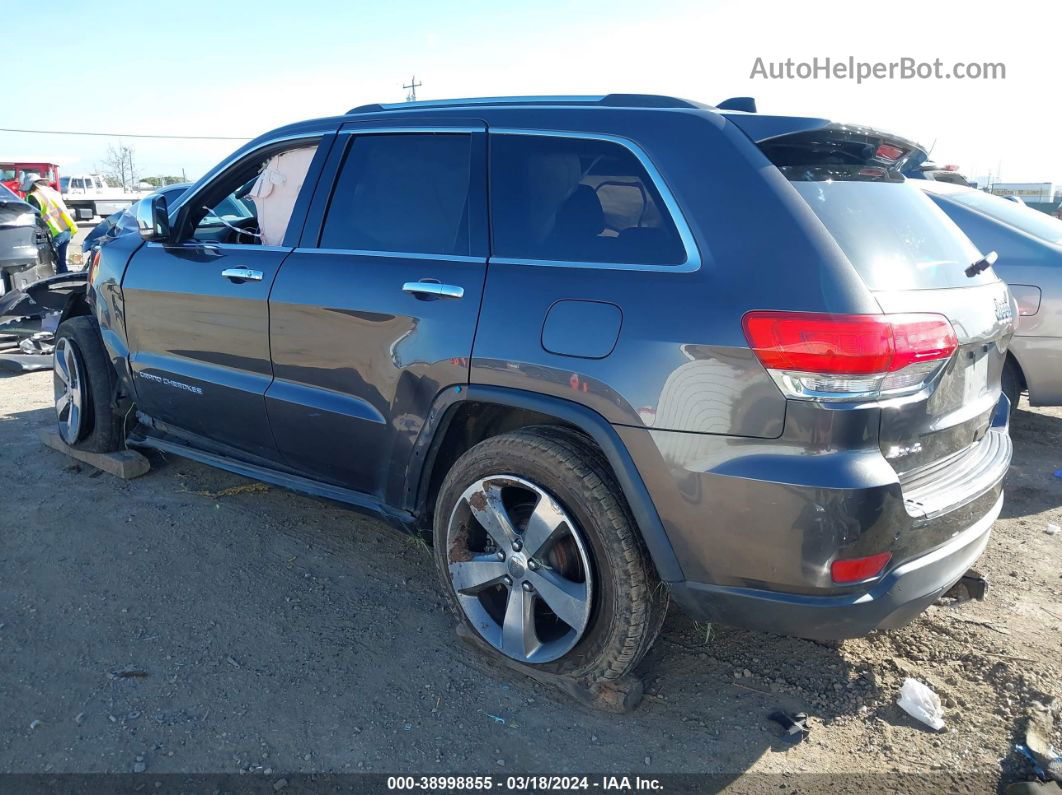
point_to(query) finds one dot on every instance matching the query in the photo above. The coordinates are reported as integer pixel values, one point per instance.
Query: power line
(130, 135)
(411, 96)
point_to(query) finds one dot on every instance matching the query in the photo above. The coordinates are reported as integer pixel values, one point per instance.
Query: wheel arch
(495, 410)
(1013, 357)
(76, 305)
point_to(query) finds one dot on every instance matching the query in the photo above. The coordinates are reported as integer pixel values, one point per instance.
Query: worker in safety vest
(49, 203)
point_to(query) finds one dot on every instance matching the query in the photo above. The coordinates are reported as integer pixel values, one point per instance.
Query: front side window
(253, 203)
(577, 200)
(402, 193)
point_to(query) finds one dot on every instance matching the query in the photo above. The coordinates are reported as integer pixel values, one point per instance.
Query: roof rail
(609, 100)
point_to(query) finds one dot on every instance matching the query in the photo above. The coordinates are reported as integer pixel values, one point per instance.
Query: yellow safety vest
(53, 210)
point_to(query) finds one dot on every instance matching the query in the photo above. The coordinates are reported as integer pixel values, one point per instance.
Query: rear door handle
(433, 289)
(243, 274)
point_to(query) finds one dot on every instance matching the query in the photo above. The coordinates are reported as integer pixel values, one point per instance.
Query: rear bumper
(756, 524)
(896, 599)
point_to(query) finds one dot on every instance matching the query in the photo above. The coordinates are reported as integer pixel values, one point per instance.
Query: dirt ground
(193, 621)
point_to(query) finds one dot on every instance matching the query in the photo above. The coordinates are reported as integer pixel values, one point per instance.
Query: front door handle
(243, 274)
(428, 289)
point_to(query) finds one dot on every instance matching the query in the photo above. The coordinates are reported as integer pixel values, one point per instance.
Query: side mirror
(153, 219)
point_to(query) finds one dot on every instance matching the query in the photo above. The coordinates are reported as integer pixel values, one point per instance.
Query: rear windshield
(893, 234)
(1028, 220)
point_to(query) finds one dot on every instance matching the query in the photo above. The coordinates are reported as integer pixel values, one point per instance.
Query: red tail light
(859, 569)
(827, 357)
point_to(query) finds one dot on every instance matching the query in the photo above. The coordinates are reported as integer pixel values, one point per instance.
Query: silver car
(1029, 245)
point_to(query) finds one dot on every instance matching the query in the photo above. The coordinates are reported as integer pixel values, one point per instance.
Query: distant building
(1030, 192)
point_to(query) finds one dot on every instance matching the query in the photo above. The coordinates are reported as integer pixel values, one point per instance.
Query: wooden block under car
(126, 464)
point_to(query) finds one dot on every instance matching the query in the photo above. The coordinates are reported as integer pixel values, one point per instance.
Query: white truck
(88, 196)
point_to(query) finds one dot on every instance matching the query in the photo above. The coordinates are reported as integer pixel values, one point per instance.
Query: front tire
(540, 558)
(83, 383)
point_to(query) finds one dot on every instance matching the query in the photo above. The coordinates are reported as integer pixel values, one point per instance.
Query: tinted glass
(894, 235)
(7, 195)
(575, 200)
(1033, 222)
(402, 193)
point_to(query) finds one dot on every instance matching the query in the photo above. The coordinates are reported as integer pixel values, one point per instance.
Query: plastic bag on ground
(921, 703)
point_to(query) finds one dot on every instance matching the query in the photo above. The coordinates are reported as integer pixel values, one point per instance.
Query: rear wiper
(983, 264)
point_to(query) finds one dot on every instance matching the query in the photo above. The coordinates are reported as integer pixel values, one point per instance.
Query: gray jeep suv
(597, 345)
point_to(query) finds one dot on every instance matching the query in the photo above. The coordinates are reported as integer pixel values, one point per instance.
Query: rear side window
(404, 193)
(576, 200)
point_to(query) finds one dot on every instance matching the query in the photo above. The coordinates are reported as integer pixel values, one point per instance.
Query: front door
(375, 315)
(197, 313)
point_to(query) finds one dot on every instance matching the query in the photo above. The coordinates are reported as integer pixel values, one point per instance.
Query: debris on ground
(128, 673)
(1052, 529)
(971, 586)
(244, 488)
(1045, 758)
(796, 726)
(921, 703)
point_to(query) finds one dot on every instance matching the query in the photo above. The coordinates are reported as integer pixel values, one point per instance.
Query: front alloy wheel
(519, 568)
(68, 385)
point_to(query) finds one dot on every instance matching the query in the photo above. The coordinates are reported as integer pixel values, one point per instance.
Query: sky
(240, 69)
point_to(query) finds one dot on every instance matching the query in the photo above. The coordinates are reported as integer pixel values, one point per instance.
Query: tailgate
(946, 441)
(920, 432)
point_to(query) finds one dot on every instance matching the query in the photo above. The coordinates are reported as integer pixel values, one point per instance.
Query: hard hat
(29, 179)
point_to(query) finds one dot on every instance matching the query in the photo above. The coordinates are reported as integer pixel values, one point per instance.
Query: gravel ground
(194, 621)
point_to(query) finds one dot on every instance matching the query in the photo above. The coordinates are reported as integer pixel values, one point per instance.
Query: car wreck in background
(27, 278)
(25, 251)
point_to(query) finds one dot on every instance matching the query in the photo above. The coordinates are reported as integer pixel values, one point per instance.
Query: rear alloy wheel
(541, 560)
(68, 385)
(519, 568)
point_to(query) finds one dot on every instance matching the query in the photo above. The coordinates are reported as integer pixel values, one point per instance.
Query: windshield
(1033, 222)
(893, 234)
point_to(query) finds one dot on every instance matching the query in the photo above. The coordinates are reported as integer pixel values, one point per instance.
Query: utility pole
(411, 89)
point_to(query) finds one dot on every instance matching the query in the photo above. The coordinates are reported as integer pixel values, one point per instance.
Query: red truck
(11, 175)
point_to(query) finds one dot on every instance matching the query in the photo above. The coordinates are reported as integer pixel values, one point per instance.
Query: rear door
(197, 317)
(375, 312)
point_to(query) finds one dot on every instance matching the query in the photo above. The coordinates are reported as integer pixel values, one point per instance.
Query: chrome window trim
(689, 244)
(421, 129)
(219, 247)
(358, 252)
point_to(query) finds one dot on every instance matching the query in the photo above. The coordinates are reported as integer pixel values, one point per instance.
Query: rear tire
(1011, 382)
(84, 384)
(528, 480)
